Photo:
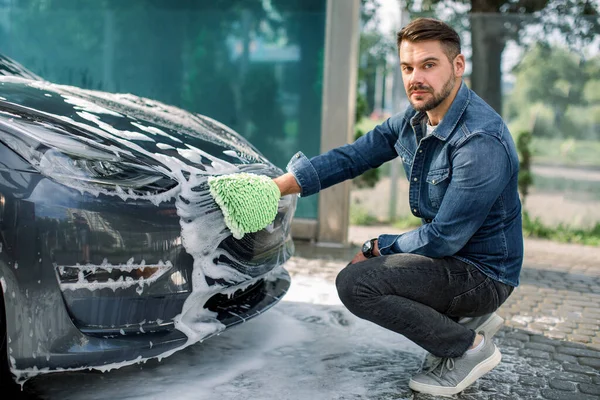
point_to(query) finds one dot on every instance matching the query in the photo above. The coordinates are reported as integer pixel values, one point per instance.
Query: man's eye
(406, 69)
(428, 65)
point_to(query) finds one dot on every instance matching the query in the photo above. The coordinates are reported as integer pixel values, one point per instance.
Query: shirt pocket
(437, 184)
(405, 156)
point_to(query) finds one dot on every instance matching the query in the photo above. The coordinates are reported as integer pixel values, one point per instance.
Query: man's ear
(459, 65)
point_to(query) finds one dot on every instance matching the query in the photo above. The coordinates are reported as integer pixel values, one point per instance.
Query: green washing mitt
(248, 201)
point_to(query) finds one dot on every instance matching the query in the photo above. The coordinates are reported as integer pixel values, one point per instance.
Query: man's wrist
(287, 184)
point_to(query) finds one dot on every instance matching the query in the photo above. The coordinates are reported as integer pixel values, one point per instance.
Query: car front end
(113, 251)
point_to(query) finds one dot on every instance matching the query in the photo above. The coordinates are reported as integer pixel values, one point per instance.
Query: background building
(282, 73)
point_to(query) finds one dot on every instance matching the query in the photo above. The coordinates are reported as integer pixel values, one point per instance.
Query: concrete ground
(551, 339)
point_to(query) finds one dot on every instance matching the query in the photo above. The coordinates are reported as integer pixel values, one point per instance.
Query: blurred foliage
(407, 222)
(556, 94)
(525, 175)
(360, 215)
(374, 49)
(566, 152)
(562, 233)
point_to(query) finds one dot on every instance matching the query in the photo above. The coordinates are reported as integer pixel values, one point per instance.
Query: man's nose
(416, 77)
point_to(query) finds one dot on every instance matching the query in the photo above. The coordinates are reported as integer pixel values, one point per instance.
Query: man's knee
(348, 284)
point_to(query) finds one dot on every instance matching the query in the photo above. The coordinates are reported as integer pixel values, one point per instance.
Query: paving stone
(506, 342)
(524, 370)
(562, 385)
(533, 381)
(540, 346)
(591, 362)
(523, 337)
(589, 389)
(574, 351)
(580, 369)
(562, 328)
(585, 332)
(579, 338)
(535, 354)
(556, 335)
(564, 358)
(500, 396)
(594, 328)
(544, 340)
(571, 376)
(596, 380)
(554, 394)
(525, 393)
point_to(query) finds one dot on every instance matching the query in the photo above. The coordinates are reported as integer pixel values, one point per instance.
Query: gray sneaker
(448, 376)
(488, 324)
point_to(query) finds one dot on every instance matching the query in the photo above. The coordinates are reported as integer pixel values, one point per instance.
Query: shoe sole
(491, 326)
(480, 369)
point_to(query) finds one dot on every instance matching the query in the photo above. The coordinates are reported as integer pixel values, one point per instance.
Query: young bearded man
(440, 284)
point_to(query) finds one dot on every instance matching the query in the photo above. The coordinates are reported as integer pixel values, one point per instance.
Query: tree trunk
(487, 42)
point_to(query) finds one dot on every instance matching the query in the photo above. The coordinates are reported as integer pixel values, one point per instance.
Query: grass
(367, 124)
(571, 152)
(561, 233)
(361, 216)
(565, 185)
(534, 228)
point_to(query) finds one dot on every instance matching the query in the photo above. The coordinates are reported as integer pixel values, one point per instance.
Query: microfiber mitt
(248, 201)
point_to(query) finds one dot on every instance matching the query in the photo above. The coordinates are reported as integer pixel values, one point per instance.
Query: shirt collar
(452, 116)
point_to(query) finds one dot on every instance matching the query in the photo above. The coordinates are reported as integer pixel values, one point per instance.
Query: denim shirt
(463, 183)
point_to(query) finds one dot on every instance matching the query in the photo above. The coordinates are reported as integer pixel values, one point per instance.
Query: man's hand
(359, 257)
(287, 184)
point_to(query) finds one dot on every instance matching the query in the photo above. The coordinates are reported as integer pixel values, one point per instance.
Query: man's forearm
(287, 184)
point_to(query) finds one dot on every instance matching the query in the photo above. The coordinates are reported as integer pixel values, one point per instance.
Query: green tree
(556, 93)
(374, 49)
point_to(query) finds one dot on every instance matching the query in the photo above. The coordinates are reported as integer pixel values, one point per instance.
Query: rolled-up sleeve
(481, 169)
(305, 173)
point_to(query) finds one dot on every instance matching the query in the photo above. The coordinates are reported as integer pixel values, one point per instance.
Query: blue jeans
(421, 298)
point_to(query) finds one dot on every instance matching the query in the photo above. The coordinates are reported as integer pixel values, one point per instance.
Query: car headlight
(84, 173)
(81, 163)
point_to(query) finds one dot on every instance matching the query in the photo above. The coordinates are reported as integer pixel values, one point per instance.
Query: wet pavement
(551, 339)
(550, 342)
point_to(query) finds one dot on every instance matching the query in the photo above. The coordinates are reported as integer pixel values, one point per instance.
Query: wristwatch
(368, 247)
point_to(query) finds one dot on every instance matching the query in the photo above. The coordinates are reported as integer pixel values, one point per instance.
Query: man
(440, 284)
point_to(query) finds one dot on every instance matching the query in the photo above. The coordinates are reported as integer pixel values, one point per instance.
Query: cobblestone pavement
(551, 339)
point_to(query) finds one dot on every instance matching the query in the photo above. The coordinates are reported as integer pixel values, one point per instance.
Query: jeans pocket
(503, 291)
(480, 300)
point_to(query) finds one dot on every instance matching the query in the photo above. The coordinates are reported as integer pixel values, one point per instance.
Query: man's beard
(437, 98)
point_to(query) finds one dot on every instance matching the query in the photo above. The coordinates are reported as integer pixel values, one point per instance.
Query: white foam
(202, 225)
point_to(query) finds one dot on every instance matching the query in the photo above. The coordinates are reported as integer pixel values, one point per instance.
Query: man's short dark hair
(423, 29)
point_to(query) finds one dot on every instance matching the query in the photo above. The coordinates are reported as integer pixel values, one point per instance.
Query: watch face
(366, 246)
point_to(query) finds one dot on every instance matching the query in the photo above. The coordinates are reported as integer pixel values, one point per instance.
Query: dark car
(111, 249)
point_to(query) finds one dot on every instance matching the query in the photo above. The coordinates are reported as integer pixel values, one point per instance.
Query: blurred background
(307, 75)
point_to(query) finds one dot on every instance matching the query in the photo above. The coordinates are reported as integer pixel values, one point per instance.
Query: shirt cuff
(388, 244)
(305, 173)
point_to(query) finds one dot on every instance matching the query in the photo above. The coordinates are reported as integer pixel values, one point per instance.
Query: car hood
(75, 120)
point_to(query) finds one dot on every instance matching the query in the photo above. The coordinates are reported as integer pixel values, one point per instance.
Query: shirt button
(415, 179)
(428, 220)
(415, 210)
(421, 150)
(433, 181)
